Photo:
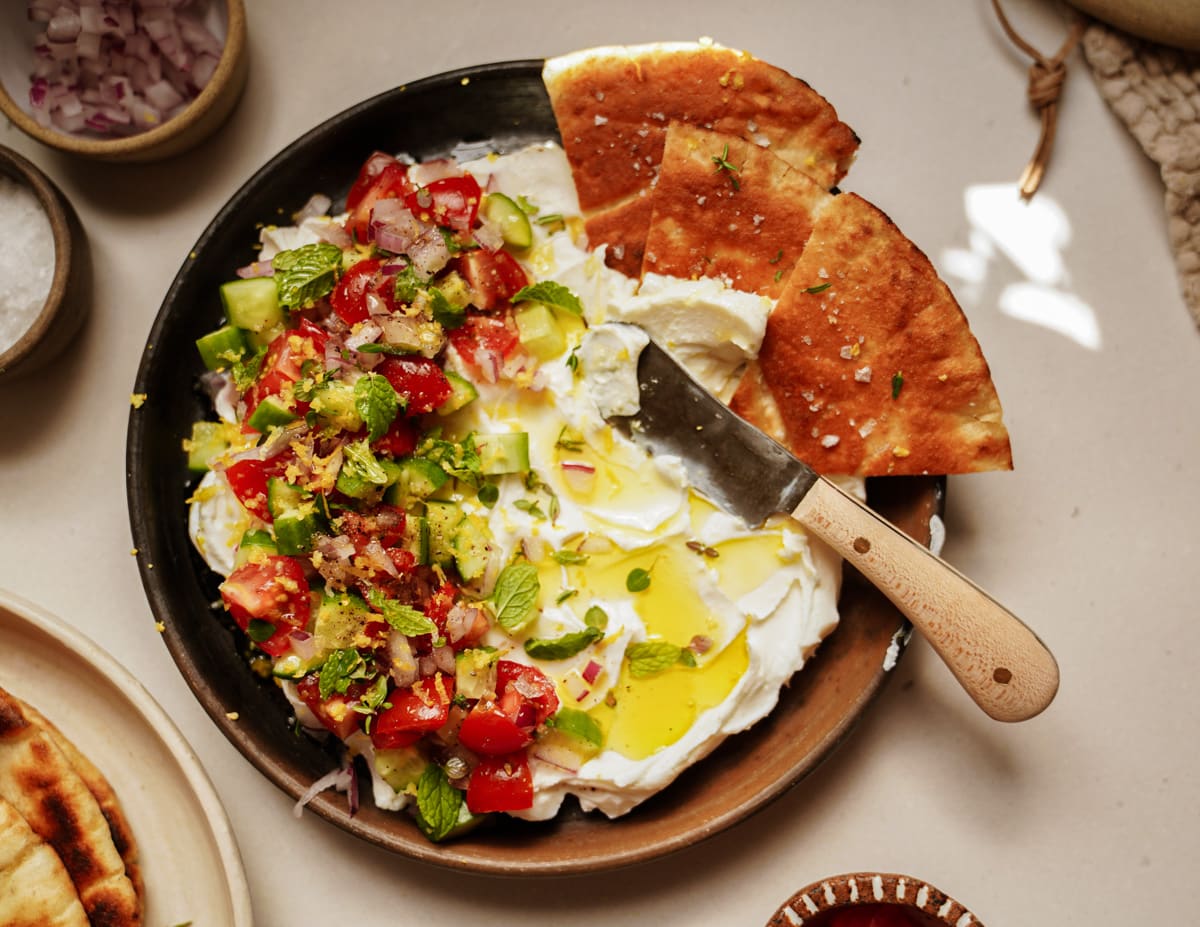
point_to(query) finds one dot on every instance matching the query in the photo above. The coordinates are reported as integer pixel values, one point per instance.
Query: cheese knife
(1000, 662)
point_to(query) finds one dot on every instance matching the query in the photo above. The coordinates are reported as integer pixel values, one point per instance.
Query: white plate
(189, 858)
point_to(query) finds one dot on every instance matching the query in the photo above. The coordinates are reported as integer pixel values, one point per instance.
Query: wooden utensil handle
(1000, 662)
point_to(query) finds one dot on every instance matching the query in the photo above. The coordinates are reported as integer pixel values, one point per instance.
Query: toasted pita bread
(43, 787)
(727, 208)
(35, 889)
(868, 366)
(613, 106)
(102, 791)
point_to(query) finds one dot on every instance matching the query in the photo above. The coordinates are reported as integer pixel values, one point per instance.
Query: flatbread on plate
(727, 208)
(40, 783)
(868, 366)
(102, 791)
(614, 104)
(35, 889)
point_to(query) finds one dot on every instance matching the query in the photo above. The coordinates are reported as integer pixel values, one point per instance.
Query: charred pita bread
(102, 791)
(868, 366)
(613, 106)
(35, 889)
(727, 208)
(43, 787)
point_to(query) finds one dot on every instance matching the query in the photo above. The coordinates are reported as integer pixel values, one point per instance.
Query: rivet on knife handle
(1000, 662)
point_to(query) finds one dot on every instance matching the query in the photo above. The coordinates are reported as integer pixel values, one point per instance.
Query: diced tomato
(400, 438)
(501, 783)
(484, 343)
(283, 364)
(440, 602)
(349, 297)
(529, 684)
(273, 591)
(489, 730)
(248, 480)
(418, 379)
(336, 712)
(415, 711)
(381, 178)
(451, 202)
(495, 277)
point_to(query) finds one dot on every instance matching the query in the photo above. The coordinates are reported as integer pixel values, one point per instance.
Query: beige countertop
(1088, 814)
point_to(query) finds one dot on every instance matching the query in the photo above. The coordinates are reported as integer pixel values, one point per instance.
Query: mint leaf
(579, 724)
(374, 698)
(340, 669)
(305, 274)
(569, 557)
(652, 657)
(550, 293)
(444, 312)
(377, 404)
(638, 580)
(409, 621)
(408, 284)
(258, 630)
(362, 463)
(515, 597)
(439, 804)
(559, 648)
(596, 617)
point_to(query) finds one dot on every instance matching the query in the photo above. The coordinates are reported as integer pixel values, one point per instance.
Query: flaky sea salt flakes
(26, 260)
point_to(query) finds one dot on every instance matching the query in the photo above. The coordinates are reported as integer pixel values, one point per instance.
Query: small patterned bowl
(865, 899)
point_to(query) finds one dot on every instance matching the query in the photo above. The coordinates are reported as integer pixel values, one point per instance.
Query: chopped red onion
(118, 68)
(591, 671)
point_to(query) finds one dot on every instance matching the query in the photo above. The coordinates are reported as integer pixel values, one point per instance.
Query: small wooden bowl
(69, 298)
(202, 116)
(817, 905)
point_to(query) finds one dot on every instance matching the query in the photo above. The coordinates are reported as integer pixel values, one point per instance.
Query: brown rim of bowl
(54, 205)
(231, 69)
(855, 889)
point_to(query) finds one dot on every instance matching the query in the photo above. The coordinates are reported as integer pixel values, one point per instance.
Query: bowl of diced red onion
(121, 80)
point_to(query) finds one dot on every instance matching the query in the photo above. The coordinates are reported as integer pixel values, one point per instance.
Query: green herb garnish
(652, 657)
(638, 580)
(514, 599)
(724, 164)
(340, 669)
(439, 804)
(819, 288)
(305, 274)
(897, 384)
(409, 621)
(258, 630)
(560, 648)
(377, 403)
(550, 293)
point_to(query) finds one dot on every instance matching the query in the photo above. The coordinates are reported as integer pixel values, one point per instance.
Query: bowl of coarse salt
(121, 80)
(45, 268)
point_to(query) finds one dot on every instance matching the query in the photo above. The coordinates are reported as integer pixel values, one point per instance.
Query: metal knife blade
(1000, 662)
(745, 472)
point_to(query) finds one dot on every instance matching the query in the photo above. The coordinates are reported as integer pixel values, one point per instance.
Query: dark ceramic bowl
(894, 899)
(500, 107)
(70, 294)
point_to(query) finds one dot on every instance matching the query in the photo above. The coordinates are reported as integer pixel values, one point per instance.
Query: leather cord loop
(1046, 79)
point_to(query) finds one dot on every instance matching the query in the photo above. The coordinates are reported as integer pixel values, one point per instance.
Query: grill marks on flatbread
(614, 105)
(39, 782)
(877, 372)
(35, 888)
(727, 208)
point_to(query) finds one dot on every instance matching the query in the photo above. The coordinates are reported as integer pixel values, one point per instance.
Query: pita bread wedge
(39, 782)
(102, 791)
(868, 366)
(35, 889)
(613, 106)
(727, 208)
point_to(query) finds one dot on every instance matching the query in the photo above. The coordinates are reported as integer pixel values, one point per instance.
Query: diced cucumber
(418, 478)
(340, 620)
(462, 393)
(507, 452)
(401, 767)
(272, 412)
(472, 547)
(539, 331)
(510, 219)
(334, 405)
(291, 666)
(222, 348)
(454, 287)
(442, 519)
(252, 303)
(295, 515)
(416, 538)
(207, 441)
(475, 672)
(254, 543)
(266, 336)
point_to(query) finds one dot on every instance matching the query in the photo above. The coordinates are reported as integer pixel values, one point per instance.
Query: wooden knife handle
(1000, 662)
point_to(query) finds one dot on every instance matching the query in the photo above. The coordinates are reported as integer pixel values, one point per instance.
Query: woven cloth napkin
(1155, 91)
